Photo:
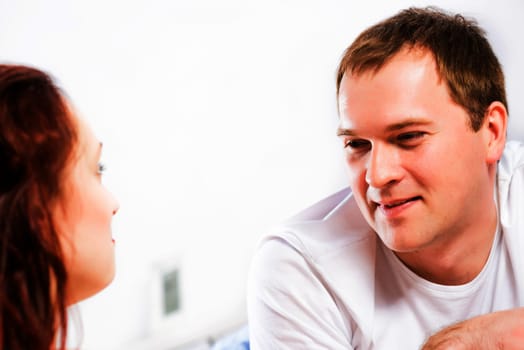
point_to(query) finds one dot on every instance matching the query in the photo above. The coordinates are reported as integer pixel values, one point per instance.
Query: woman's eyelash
(101, 168)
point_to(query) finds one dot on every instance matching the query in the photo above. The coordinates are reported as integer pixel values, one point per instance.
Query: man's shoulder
(334, 223)
(322, 208)
(512, 160)
(325, 251)
(510, 187)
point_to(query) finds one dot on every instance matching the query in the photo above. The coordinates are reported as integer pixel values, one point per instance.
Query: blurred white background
(218, 120)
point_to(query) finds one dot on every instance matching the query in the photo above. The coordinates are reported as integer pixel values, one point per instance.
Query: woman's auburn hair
(37, 140)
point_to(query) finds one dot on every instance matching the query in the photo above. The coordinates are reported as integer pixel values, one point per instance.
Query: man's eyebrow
(345, 132)
(393, 127)
(407, 123)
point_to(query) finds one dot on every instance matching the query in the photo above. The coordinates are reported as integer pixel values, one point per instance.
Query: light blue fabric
(237, 340)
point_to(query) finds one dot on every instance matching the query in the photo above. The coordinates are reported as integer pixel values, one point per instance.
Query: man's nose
(384, 166)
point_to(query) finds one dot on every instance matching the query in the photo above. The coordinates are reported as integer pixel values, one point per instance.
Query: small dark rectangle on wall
(171, 291)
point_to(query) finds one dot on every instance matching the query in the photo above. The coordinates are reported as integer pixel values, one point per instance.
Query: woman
(55, 215)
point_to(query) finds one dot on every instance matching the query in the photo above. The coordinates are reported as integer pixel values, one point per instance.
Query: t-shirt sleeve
(289, 304)
(511, 187)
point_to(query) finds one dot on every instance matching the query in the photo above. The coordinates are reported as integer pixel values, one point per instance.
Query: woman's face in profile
(84, 220)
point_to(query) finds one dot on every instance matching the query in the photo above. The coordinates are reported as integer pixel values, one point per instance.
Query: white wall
(218, 120)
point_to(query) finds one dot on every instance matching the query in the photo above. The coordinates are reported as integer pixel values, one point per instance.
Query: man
(427, 246)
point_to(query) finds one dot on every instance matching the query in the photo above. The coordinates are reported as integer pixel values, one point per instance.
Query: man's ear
(494, 129)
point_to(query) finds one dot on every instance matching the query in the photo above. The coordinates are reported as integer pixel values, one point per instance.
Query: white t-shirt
(323, 280)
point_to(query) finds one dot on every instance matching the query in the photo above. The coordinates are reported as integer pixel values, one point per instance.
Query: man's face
(417, 170)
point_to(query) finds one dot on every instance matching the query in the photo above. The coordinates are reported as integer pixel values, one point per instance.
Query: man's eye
(356, 144)
(410, 137)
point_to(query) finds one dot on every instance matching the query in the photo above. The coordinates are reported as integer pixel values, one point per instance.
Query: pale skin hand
(498, 330)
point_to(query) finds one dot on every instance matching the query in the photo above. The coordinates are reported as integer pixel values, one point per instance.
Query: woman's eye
(101, 168)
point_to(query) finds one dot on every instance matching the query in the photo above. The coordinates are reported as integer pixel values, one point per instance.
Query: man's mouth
(396, 206)
(393, 204)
